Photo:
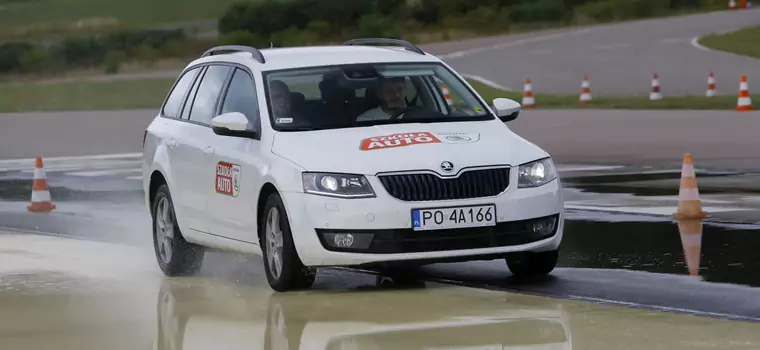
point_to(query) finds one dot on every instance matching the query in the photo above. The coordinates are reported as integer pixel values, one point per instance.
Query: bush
(293, 37)
(114, 60)
(147, 54)
(375, 25)
(37, 60)
(80, 51)
(540, 11)
(10, 55)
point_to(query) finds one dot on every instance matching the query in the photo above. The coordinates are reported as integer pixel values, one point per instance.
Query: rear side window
(211, 86)
(241, 97)
(171, 108)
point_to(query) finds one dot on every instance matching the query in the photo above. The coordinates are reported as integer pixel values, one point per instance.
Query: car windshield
(369, 94)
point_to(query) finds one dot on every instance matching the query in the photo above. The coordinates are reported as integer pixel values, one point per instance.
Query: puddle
(719, 254)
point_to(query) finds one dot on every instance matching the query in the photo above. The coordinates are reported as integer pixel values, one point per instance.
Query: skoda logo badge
(447, 166)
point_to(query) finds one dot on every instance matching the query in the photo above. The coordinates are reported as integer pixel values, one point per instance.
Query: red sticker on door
(398, 140)
(228, 179)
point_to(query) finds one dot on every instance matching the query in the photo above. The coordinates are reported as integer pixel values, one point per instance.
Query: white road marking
(611, 46)
(695, 43)
(573, 167)
(540, 52)
(459, 54)
(672, 40)
(663, 211)
(663, 308)
(66, 162)
(486, 82)
(103, 172)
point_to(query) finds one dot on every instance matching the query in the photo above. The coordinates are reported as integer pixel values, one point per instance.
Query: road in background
(619, 58)
(724, 139)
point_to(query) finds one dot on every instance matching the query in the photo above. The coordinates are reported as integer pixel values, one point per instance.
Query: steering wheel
(398, 114)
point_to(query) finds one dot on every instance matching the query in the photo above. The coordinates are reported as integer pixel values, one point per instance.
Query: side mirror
(232, 124)
(506, 109)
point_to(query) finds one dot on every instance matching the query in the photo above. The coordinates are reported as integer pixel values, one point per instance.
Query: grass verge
(743, 42)
(149, 93)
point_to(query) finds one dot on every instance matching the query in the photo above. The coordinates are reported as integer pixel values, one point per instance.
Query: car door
(231, 204)
(193, 148)
(177, 138)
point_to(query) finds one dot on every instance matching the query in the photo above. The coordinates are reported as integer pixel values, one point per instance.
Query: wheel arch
(156, 180)
(267, 189)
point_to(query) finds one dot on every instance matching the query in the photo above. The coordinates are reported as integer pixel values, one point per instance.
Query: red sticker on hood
(398, 140)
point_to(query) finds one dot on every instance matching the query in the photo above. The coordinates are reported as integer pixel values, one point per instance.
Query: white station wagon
(353, 155)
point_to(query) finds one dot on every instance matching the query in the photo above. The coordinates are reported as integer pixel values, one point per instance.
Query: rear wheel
(529, 264)
(176, 257)
(284, 268)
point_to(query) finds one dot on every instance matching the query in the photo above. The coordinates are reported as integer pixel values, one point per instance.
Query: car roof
(315, 56)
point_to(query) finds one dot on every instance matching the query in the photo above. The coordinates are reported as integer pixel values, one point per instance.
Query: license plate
(459, 217)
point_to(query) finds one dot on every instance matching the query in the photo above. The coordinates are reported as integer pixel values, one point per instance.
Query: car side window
(241, 97)
(209, 89)
(191, 96)
(174, 101)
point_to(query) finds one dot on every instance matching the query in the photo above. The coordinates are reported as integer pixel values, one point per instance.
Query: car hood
(399, 147)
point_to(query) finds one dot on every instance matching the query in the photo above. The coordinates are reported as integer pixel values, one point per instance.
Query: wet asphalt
(634, 260)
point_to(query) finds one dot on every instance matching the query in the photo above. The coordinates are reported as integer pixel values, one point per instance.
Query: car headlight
(337, 185)
(537, 173)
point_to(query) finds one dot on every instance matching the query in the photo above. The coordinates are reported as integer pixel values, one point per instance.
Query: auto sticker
(228, 179)
(398, 140)
(283, 120)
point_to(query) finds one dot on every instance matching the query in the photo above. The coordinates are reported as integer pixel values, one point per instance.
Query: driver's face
(392, 93)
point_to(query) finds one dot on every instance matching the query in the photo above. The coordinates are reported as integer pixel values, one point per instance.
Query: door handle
(208, 150)
(171, 143)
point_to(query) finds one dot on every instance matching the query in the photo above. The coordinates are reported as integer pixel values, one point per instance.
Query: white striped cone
(528, 100)
(689, 204)
(655, 94)
(585, 90)
(745, 101)
(711, 88)
(732, 4)
(41, 202)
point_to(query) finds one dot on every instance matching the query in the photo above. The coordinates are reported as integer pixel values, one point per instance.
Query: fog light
(545, 226)
(348, 240)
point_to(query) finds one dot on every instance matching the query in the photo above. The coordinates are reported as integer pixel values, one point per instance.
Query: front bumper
(386, 222)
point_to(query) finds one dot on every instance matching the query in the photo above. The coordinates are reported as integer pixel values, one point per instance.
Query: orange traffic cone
(691, 241)
(745, 102)
(689, 205)
(528, 101)
(655, 94)
(711, 88)
(40, 194)
(586, 90)
(447, 95)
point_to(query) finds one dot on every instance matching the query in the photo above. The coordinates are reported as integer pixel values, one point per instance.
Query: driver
(391, 92)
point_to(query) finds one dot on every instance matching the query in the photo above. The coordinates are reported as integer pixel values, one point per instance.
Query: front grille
(394, 241)
(428, 187)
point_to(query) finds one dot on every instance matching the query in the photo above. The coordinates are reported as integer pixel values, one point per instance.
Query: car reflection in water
(199, 314)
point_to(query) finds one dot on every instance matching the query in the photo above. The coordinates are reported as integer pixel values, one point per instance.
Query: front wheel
(284, 268)
(176, 256)
(529, 264)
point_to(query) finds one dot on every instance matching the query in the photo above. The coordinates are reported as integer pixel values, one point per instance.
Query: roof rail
(407, 45)
(252, 50)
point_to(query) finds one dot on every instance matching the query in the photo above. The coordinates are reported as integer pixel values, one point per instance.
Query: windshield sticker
(478, 109)
(284, 120)
(228, 179)
(398, 140)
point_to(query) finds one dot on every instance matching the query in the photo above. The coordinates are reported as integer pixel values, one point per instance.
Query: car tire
(283, 267)
(529, 264)
(176, 256)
